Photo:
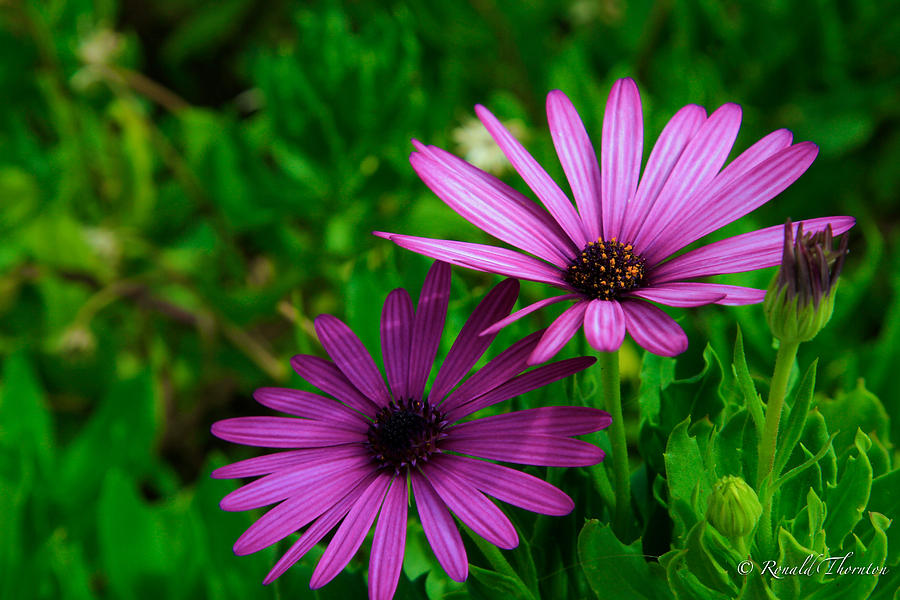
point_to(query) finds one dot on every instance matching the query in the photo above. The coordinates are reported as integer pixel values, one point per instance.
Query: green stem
(612, 397)
(787, 352)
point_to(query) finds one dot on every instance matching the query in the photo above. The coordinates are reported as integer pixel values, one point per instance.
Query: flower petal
(578, 159)
(319, 529)
(541, 450)
(698, 164)
(480, 257)
(653, 329)
(559, 333)
(310, 406)
(327, 377)
(289, 482)
(388, 543)
(295, 512)
(511, 486)
(279, 461)
(525, 382)
(350, 535)
(440, 529)
(620, 153)
(284, 432)
(604, 325)
(472, 507)
(491, 205)
(469, 345)
(536, 177)
(500, 369)
(668, 148)
(431, 313)
(351, 357)
(677, 294)
(747, 252)
(744, 194)
(527, 311)
(396, 339)
(545, 420)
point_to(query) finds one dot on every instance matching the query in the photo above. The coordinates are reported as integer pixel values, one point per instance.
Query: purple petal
(522, 384)
(396, 338)
(500, 369)
(541, 450)
(284, 432)
(546, 420)
(469, 345)
(510, 485)
(620, 153)
(351, 357)
(604, 325)
(744, 194)
(289, 482)
(747, 252)
(327, 377)
(322, 525)
(270, 463)
(559, 333)
(536, 177)
(431, 312)
(472, 507)
(480, 257)
(698, 164)
(653, 329)
(388, 543)
(527, 311)
(678, 294)
(578, 159)
(491, 205)
(310, 406)
(675, 136)
(440, 529)
(350, 535)
(296, 512)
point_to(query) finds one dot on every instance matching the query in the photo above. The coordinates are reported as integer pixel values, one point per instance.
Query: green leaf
(496, 585)
(683, 583)
(729, 448)
(752, 399)
(792, 553)
(856, 586)
(685, 471)
(25, 422)
(885, 499)
(847, 500)
(858, 408)
(657, 372)
(614, 570)
(796, 419)
(702, 564)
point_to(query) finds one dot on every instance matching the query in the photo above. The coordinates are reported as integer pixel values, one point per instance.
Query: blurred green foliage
(185, 184)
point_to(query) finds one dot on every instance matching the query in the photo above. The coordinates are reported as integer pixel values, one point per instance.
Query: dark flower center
(405, 432)
(604, 269)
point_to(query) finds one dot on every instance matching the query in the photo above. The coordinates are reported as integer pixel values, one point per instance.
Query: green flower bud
(800, 299)
(733, 507)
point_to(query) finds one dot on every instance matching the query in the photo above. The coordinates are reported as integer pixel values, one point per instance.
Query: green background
(185, 185)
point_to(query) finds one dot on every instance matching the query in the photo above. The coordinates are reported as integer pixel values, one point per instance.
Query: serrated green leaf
(857, 586)
(683, 465)
(752, 400)
(847, 500)
(858, 408)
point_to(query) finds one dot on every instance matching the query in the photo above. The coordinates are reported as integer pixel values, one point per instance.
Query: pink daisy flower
(613, 251)
(354, 453)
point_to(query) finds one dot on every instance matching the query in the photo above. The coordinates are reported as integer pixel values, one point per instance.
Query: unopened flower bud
(733, 507)
(800, 299)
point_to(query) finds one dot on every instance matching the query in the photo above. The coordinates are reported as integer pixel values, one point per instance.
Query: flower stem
(787, 352)
(612, 397)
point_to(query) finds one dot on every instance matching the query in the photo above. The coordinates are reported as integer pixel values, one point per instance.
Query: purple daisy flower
(354, 454)
(612, 254)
